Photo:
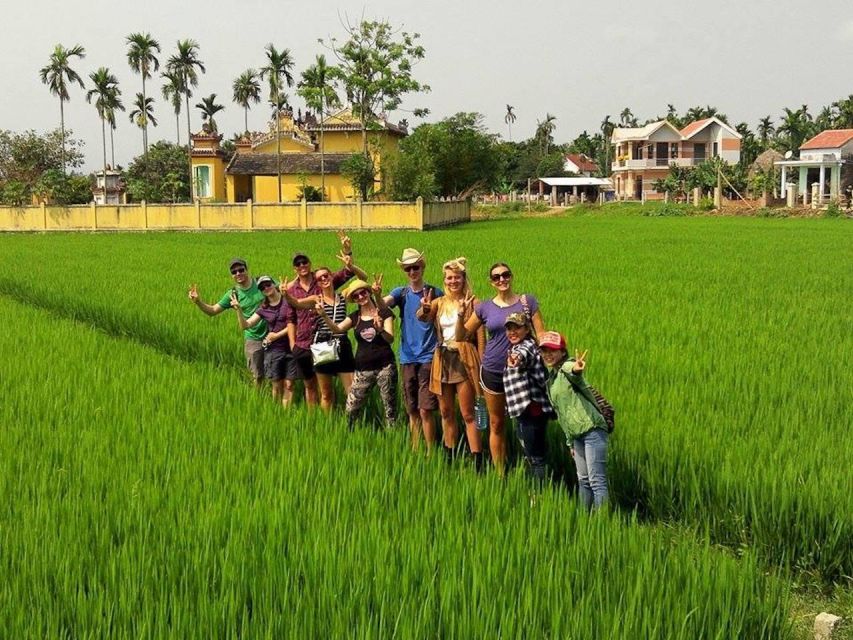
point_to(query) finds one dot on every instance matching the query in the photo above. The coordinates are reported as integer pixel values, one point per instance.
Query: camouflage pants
(363, 381)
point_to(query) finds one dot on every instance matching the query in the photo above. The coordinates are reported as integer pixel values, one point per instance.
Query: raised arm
(245, 323)
(538, 325)
(464, 330)
(382, 302)
(343, 327)
(307, 302)
(207, 309)
(427, 309)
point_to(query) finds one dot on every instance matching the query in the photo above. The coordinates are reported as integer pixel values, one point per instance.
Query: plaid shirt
(528, 382)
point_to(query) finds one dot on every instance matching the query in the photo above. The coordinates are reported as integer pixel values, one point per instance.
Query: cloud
(845, 31)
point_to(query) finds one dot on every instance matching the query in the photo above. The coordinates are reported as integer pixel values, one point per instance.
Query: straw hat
(354, 286)
(410, 256)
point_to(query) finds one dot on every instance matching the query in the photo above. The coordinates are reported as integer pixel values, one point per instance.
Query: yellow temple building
(251, 174)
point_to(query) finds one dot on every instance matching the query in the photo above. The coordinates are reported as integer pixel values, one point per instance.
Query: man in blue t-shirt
(417, 345)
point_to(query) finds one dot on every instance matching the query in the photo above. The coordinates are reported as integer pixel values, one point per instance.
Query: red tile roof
(582, 162)
(829, 139)
(693, 127)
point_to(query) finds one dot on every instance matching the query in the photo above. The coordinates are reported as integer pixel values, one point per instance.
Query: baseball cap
(300, 254)
(518, 319)
(552, 340)
(265, 279)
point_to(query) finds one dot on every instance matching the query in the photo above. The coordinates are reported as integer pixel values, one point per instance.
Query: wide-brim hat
(410, 256)
(354, 286)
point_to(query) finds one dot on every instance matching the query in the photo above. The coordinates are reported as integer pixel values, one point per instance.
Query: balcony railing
(656, 163)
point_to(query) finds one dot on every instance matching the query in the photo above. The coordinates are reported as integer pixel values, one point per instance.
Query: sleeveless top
(337, 312)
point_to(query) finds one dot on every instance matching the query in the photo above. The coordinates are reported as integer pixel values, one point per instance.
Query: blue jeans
(590, 453)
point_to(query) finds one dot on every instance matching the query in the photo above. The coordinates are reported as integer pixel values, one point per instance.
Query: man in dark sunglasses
(306, 319)
(246, 289)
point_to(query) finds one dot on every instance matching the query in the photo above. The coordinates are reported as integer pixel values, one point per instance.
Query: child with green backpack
(581, 414)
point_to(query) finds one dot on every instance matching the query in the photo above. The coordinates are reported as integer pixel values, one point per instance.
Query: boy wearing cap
(281, 325)
(580, 419)
(417, 345)
(526, 387)
(306, 318)
(249, 298)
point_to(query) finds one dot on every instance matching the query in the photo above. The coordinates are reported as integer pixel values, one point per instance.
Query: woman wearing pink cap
(578, 416)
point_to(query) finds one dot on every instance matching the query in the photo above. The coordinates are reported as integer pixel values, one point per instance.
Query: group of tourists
(490, 359)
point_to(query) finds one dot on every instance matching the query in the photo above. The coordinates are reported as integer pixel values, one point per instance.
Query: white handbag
(326, 352)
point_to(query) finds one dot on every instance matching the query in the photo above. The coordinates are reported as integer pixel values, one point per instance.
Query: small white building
(115, 192)
(579, 164)
(825, 160)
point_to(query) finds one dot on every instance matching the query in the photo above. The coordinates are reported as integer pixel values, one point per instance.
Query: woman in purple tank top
(492, 315)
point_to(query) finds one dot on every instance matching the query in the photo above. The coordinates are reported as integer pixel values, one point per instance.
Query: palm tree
(545, 130)
(277, 72)
(317, 88)
(187, 64)
(105, 92)
(607, 133)
(627, 118)
(141, 58)
(115, 105)
(247, 88)
(765, 130)
(173, 90)
(56, 74)
(143, 112)
(509, 118)
(209, 108)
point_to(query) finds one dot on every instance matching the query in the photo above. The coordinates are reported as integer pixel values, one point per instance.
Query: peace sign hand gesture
(376, 287)
(193, 293)
(580, 361)
(346, 242)
(285, 285)
(346, 258)
(377, 321)
(466, 305)
(426, 300)
(235, 304)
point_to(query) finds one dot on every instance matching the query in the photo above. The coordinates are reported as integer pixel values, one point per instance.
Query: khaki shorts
(254, 351)
(416, 393)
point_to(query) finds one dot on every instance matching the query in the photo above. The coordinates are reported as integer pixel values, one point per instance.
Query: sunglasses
(324, 276)
(265, 285)
(411, 268)
(301, 262)
(503, 275)
(234, 272)
(361, 293)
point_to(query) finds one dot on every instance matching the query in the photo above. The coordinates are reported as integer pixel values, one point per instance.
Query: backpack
(598, 401)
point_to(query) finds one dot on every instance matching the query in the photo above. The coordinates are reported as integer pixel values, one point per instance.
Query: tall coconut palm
(509, 118)
(607, 134)
(104, 92)
(765, 130)
(209, 108)
(317, 88)
(187, 65)
(56, 75)
(247, 89)
(545, 131)
(277, 73)
(141, 58)
(143, 112)
(115, 105)
(173, 91)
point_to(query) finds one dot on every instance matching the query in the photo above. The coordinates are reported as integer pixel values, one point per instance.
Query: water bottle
(481, 414)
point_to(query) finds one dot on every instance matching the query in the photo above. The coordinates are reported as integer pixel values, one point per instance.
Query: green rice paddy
(149, 491)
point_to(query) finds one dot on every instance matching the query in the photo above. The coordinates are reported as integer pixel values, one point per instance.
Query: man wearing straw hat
(417, 345)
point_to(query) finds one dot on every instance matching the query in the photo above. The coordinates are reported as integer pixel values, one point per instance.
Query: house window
(716, 151)
(673, 150)
(698, 153)
(202, 181)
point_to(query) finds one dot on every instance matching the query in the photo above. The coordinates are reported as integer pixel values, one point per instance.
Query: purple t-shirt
(493, 317)
(277, 318)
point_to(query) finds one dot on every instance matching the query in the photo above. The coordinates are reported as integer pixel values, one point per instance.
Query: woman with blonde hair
(456, 363)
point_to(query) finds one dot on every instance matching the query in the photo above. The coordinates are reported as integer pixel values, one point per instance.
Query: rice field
(153, 493)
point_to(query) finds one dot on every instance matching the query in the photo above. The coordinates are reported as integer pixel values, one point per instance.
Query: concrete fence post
(145, 214)
(359, 213)
(697, 195)
(43, 215)
(790, 195)
(815, 195)
(198, 212)
(250, 214)
(94, 208)
(419, 212)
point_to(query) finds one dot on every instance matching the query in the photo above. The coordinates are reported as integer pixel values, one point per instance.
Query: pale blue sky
(576, 60)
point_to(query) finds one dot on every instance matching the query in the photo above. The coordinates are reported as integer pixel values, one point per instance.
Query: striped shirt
(527, 382)
(337, 312)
